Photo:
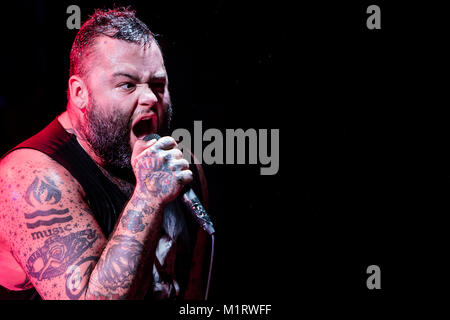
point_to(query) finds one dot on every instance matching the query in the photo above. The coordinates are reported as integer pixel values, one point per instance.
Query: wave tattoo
(44, 192)
(47, 223)
(45, 213)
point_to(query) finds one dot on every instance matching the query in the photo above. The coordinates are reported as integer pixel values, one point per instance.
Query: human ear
(79, 94)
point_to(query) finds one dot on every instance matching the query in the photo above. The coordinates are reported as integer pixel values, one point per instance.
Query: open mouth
(144, 127)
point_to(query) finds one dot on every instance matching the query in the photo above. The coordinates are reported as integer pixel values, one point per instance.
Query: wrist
(146, 202)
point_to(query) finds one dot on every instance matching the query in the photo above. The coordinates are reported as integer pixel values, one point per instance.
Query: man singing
(89, 208)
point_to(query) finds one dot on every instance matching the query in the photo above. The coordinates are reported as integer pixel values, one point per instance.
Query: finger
(179, 165)
(151, 142)
(165, 143)
(173, 154)
(142, 145)
(184, 177)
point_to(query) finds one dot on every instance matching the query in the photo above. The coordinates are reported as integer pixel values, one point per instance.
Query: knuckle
(173, 166)
(161, 155)
(175, 154)
(184, 163)
(167, 156)
(168, 141)
(178, 153)
(171, 140)
(184, 175)
(151, 151)
(189, 174)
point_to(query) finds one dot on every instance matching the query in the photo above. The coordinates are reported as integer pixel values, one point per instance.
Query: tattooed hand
(160, 169)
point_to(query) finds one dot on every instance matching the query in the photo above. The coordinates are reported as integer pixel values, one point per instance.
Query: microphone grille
(152, 136)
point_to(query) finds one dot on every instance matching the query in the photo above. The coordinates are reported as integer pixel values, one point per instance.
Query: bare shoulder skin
(45, 225)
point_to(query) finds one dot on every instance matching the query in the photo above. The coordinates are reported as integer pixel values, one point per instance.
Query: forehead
(113, 55)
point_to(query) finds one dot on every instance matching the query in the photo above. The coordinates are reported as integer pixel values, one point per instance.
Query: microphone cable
(210, 267)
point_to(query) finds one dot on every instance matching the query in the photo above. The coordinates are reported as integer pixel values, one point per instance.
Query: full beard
(109, 137)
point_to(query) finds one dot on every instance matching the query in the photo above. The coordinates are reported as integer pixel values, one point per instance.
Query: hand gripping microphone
(192, 202)
(195, 207)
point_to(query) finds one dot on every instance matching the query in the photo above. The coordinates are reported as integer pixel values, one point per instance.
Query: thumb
(142, 145)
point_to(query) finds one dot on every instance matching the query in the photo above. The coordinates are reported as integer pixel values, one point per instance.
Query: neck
(72, 125)
(123, 179)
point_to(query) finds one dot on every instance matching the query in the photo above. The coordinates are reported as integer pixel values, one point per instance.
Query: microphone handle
(192, 202)
(195, 207)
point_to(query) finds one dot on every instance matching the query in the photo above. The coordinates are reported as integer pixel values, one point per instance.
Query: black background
(363, 127)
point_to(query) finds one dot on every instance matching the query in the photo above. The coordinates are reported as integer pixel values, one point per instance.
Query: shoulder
(30, 178)
(25, 156)
(44, 218)
(22, 164)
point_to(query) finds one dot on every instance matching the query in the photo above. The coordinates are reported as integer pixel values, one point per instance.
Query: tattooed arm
(59, 245)
(46, 227)
(126, 263)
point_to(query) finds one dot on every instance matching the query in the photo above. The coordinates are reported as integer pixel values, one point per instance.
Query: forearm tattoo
(75, 275)
(143, 205)
(132, 221)
(115, 273)
(119, 266)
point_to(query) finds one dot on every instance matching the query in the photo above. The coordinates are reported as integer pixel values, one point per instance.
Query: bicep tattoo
(40, 193)
(58, 253)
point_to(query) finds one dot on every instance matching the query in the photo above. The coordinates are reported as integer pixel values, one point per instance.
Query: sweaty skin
(49, 238)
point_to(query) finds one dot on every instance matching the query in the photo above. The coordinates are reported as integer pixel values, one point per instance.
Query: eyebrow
(124, 74)
(157, 76)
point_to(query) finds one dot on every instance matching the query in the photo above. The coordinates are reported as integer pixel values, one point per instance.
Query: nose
(147, 97)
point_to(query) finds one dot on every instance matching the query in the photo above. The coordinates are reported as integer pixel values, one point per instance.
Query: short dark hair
(118, 23)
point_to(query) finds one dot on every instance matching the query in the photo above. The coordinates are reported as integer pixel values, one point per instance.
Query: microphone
(191, 201)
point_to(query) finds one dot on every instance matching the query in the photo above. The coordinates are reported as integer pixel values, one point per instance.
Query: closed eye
(158, 86)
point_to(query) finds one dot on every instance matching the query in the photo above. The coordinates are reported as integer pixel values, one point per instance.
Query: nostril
(148, 97)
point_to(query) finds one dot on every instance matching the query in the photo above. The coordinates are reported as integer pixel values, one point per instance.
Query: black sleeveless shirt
(104, 198)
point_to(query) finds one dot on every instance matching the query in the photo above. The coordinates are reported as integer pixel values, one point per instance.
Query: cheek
(163, 112)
